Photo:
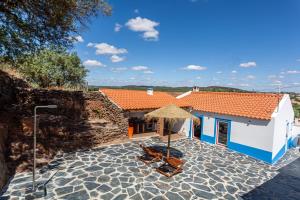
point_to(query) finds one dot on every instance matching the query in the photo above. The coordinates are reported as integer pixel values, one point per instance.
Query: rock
(201, 187)
(93, 168)
(130, 191)
(103, 179)
(120, 197)
(80, 195)
(107, 196)
(146, 195)
(109, 170)
(203, 194)
(91, 185)
(62, 181)
(231, 189)
(172, 196)
(220, 187)
(186, 195)
(136, 197)
(64, 190)
(104, 188)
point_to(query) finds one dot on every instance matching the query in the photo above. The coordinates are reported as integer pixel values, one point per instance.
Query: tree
(29, 25)
(53, 67)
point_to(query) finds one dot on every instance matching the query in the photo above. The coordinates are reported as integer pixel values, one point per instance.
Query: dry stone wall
(82, 120)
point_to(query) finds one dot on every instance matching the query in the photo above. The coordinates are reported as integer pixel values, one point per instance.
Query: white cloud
(219, 72)
(230, 84)
(293, 72)
(148, 72)
(116, 58)
(195, 67)
(93, 63)
(117, 27)
(90, 44)
(280, 76)
(244, 85)
(277, 83)
(234, 71)
(144, 25)
(136, 11)
(79, 38)
(296, 83)
(250, 77)
(76, 39)
(248, 64)
(104, 48)
(298, 60)
(198, 77)
(140, 68)
(118, 69)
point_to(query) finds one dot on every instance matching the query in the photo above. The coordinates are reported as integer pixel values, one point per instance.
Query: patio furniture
(171, 114)
(171, 166)
(151, 155)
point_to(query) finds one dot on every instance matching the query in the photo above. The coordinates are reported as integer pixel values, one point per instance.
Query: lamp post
(34, 142)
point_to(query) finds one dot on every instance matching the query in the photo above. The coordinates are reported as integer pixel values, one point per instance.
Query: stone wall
(3, 167)
(82, 120)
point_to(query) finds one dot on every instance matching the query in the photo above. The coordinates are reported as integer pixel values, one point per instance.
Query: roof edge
(110, 99)
(184, 95)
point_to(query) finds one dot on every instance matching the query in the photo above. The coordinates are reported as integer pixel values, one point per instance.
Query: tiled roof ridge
(239, 93)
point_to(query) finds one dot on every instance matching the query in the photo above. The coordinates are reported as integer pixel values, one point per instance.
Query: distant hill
(170, 89)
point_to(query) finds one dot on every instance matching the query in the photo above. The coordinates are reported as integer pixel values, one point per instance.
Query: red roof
(252, 105)
(140, 100)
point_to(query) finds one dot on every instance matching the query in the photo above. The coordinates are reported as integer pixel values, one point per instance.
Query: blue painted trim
(207, 138)
(280, 153)
(290, 143)
(202, 121)
(191, 131)
(260, 154)
(251, 151)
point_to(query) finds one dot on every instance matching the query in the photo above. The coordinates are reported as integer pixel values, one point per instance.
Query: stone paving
(113, 172)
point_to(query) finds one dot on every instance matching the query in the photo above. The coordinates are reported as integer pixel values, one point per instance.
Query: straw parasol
(171, 114)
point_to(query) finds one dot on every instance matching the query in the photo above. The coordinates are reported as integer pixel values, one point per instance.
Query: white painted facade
(283, 124)
(271, 136)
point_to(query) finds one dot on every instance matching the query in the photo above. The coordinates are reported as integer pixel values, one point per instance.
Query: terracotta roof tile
(252, 105)
(140, 100)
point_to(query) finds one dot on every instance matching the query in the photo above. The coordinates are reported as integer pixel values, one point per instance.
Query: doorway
(198, 129)
(222, 132)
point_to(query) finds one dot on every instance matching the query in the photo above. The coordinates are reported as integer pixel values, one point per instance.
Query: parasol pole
(169, 138)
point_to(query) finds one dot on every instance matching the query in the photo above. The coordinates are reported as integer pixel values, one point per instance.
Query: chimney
(150, 91)
(195, 89)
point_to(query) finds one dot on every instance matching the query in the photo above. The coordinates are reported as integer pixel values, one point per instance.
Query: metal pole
(34, 150)
(34, 142)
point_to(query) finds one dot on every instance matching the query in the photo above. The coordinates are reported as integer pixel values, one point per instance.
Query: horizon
(249, 45)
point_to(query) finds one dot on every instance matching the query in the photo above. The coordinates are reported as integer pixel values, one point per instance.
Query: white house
(257, 124)
(260, 125)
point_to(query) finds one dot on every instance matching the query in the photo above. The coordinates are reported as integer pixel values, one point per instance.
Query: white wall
(284, 115)
(252, 133)
(245, 131)
(183, 127)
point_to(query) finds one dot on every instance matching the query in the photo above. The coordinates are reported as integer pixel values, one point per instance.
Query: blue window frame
(217, 120)
(201, 117)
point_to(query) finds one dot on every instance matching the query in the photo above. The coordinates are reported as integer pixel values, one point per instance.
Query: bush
(296, 110)
(53, 68)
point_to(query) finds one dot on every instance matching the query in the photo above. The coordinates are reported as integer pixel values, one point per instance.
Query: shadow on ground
(173, 152)
(286, 185)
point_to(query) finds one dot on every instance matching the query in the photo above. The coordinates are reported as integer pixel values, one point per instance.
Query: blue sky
(249, 44)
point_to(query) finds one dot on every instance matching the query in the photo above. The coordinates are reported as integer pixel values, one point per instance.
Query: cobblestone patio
(113, 172)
